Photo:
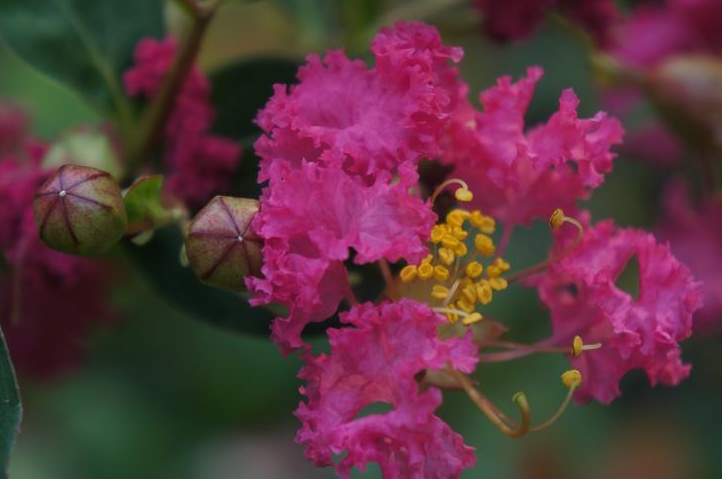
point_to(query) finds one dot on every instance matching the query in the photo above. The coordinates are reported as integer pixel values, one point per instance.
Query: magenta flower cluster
(340, 158)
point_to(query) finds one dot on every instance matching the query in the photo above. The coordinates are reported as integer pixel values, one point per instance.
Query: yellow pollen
(473, 318)
(437, 233)
(440, 292)
(408, 273)
(498, 284)
(577, 345)
(428, 259)
(446, 256)
(461, 250)
(464, 195)
(469, 294)
(571, 378)
(459, 233)
(484, 292)
(441, 273)
(465, 306)
(452, 317)
(474, 269)
(484, 245)
(493, 271)
(502, 265)
(450, 241)
(425, 271)
(556, 219)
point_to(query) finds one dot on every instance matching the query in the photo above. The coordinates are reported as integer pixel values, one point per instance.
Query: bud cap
(221, 245)
(79, 210)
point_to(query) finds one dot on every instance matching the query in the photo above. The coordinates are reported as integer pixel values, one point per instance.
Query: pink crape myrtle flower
(376, 361)
(506, 20)
(340, 155)
(199, 165)
(635, 333)
(695, 236)
(527, 174)
(50, 300)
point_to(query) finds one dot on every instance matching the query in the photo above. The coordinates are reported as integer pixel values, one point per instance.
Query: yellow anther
(446, 256)
(429, 258)
(476, 218)
(464, 195)
(461, 250)
(493, 271)
(484, 245)
(498, 284)
(488, 225)
(465, 306)
(441, 273)
(502, 265)
(459, 233)
(469, 294)
(473, 318)
(556, 219)
(577, 345)
(452, 317)
(484, 292)
(408, 273)
(449, 241)
(425, 271)
(571, 378)
(474, 269)
(439, 292)
(437, 233)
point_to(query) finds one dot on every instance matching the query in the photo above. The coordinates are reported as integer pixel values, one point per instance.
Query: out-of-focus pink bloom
(340, 154)
(309, 218)
(506, 20)
(199, 165)
(375, 361)
(49, 299)
(695, 236)
(655, 33)
(526, 175)
(636, 333)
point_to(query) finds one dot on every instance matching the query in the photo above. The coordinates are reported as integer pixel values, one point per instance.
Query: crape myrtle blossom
(49, 299)
(640, 332)
(199, 165)
(695, 236)
(525, 175)
(341, 184)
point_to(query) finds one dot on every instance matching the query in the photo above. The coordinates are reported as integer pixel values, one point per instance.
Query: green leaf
(241, 89)
(85, 44)
(144, 205)
(10, 407)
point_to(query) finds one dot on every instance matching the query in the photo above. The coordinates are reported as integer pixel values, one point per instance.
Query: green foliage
(144, 205)
(10, 408)
(84, 44)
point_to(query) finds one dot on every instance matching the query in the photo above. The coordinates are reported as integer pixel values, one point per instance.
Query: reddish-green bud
(222, 247)
(79, 210)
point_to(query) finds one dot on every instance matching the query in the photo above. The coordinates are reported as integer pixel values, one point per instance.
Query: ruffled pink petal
(375, 360)
(635, 333)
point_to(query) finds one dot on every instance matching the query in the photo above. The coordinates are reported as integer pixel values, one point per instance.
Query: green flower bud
(79, 210)
(222, 247)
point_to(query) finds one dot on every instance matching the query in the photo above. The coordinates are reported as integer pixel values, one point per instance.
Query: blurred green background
(165, 395)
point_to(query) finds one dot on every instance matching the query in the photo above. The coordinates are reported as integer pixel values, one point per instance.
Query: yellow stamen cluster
(459, 282)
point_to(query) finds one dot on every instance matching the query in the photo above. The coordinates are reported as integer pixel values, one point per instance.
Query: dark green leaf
(10, 408)
(85, 44)
(241, 89)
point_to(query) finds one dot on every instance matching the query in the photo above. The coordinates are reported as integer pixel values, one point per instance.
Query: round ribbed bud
(79, 210)
(222, 247)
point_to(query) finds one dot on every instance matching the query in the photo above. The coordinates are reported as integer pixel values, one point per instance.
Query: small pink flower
(635, 333)
(376, 360)
(526, 175)
(695, 236)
